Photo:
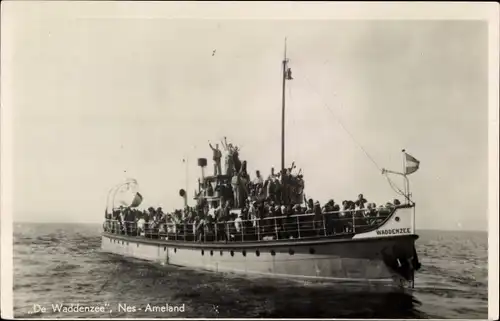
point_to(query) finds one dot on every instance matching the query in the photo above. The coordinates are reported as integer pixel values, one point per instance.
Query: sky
(96, 99)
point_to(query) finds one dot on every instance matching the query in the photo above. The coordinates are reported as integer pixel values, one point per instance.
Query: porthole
(244, 253)
(273, 253)
(232, 253)
(257, 253)
(311, 250)
(221, 252)
(397, 218)
(202, 252)
(211, 253)
(291, 252)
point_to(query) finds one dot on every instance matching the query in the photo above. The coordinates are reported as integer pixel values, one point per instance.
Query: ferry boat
(362, 245)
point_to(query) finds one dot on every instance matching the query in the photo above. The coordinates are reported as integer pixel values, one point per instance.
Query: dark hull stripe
(247, 245)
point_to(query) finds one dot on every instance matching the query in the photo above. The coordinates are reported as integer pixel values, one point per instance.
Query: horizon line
(42, 222)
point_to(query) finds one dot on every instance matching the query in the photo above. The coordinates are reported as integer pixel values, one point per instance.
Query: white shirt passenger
(237, 223)
(211, 212)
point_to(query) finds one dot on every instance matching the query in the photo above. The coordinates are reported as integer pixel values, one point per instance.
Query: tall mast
(283, 116)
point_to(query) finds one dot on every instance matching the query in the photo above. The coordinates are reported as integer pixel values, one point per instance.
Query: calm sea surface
(62, 263)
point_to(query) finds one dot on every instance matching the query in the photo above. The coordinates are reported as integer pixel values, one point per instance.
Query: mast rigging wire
(394, 187)
(391, 183)
(342, 125)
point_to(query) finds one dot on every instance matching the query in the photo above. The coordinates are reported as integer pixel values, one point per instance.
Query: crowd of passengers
(266, 209)
(255, 221)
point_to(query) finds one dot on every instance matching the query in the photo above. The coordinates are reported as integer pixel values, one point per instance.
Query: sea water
(61, 264)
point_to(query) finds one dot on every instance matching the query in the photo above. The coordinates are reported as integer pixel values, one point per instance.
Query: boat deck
(282, 229)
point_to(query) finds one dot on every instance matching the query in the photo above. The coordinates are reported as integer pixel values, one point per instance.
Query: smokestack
(202, 162)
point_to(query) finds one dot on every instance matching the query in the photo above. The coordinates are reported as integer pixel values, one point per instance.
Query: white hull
(369, 258)
(351, 262)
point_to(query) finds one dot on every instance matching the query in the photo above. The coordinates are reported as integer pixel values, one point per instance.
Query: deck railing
(297, 226)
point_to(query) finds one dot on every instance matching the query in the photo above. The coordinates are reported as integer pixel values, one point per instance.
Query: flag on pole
(412, 164)
(137, 200)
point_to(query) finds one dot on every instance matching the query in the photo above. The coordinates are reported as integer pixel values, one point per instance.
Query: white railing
(297, 226)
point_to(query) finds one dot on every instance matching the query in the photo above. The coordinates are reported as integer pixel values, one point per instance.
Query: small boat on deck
(363, 245)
